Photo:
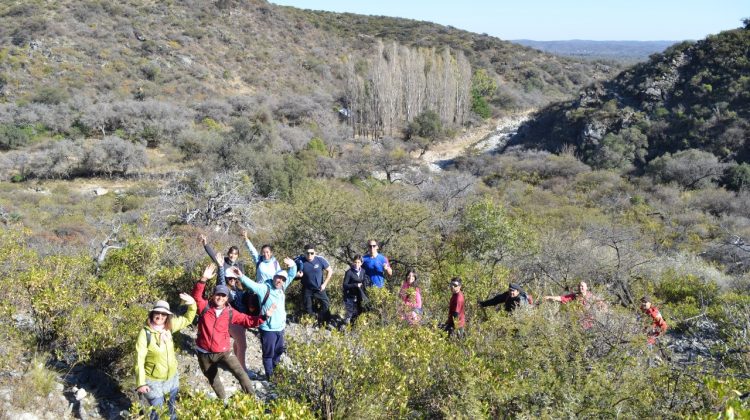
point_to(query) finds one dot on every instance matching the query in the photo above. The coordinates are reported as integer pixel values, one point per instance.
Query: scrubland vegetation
(268, 142)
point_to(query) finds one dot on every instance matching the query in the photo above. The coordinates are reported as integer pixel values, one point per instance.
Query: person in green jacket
(155, 362)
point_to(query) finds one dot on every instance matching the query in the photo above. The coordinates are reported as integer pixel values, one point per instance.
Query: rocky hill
(695, 95)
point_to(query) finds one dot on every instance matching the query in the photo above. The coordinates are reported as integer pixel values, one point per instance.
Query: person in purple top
(376, 265)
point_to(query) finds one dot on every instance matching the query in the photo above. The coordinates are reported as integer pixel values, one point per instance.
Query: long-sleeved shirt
(223, 264)
(411, 296)
(264, 269)
(277, 321)
(510, 302)
(352, 280)
(213, 327)
(155, 358)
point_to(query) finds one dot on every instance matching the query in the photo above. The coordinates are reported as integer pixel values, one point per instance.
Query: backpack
(250, 299)
(529, 299)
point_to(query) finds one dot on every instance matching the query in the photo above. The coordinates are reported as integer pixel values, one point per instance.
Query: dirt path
(483, 139)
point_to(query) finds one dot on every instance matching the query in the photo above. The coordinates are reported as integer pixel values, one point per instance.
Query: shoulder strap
(148, 336)
(231, 312)
(265, 298)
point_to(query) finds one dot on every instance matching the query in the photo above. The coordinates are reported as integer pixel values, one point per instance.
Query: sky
(550, 20)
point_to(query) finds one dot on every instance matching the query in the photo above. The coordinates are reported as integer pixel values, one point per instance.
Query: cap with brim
(514, 286)
(221, 289)
(162, 306)
(281, 273)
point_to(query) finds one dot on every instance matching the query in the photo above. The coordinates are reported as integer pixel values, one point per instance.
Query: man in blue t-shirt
(376, 265)
(310, 269)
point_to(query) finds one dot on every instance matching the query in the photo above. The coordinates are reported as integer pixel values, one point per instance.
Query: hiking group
(238, 302)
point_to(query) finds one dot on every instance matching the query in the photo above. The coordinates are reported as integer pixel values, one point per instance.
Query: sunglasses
(160, 314)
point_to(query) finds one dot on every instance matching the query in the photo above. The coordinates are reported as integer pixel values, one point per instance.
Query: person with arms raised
(212, 344)
(272, 330)
(155, 362)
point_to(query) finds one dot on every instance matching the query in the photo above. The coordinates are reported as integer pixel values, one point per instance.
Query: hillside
(692, 96)
(132, 133)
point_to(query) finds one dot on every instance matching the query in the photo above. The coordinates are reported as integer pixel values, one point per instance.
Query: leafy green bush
(386, 372)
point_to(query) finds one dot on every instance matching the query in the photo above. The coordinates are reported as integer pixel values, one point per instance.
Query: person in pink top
(411, 298)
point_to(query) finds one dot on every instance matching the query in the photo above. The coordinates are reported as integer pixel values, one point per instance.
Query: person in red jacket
(456, 315)
(658, 325)
(213, 345)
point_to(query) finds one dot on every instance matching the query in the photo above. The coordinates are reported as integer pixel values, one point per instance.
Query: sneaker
(253, 375)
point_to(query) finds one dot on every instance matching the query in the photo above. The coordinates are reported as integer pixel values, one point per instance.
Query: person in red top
(658, 326)
(213, 345)
(456, 315)
(583, 295)
(588, 300)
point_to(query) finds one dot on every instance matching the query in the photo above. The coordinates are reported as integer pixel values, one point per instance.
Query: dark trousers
(209, 363)
(320, 295)
(272, 345)
(353, 308)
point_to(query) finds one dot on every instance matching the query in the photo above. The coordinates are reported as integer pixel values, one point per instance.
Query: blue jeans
(159, 401)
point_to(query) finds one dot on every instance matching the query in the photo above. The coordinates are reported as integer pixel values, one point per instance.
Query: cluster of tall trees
(397, 83)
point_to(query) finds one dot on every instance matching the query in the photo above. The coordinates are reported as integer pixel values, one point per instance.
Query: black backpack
(250, 299)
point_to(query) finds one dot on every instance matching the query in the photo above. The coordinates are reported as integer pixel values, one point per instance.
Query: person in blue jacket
(272, 330)
(266, 265)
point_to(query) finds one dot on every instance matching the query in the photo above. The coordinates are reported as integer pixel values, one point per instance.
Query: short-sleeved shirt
(457, 306)
(375, 268)
(312, 271)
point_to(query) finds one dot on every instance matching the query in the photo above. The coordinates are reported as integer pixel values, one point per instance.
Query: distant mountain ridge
(613, 50)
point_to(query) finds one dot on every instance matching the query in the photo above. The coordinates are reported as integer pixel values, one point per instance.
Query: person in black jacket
(230, 260)
(513, 298)
(355, 283)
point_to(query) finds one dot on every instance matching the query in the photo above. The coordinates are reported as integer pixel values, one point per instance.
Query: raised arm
(180, 322)
(250, 248)
(291, 271)
(210, 251)
(200, 286)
